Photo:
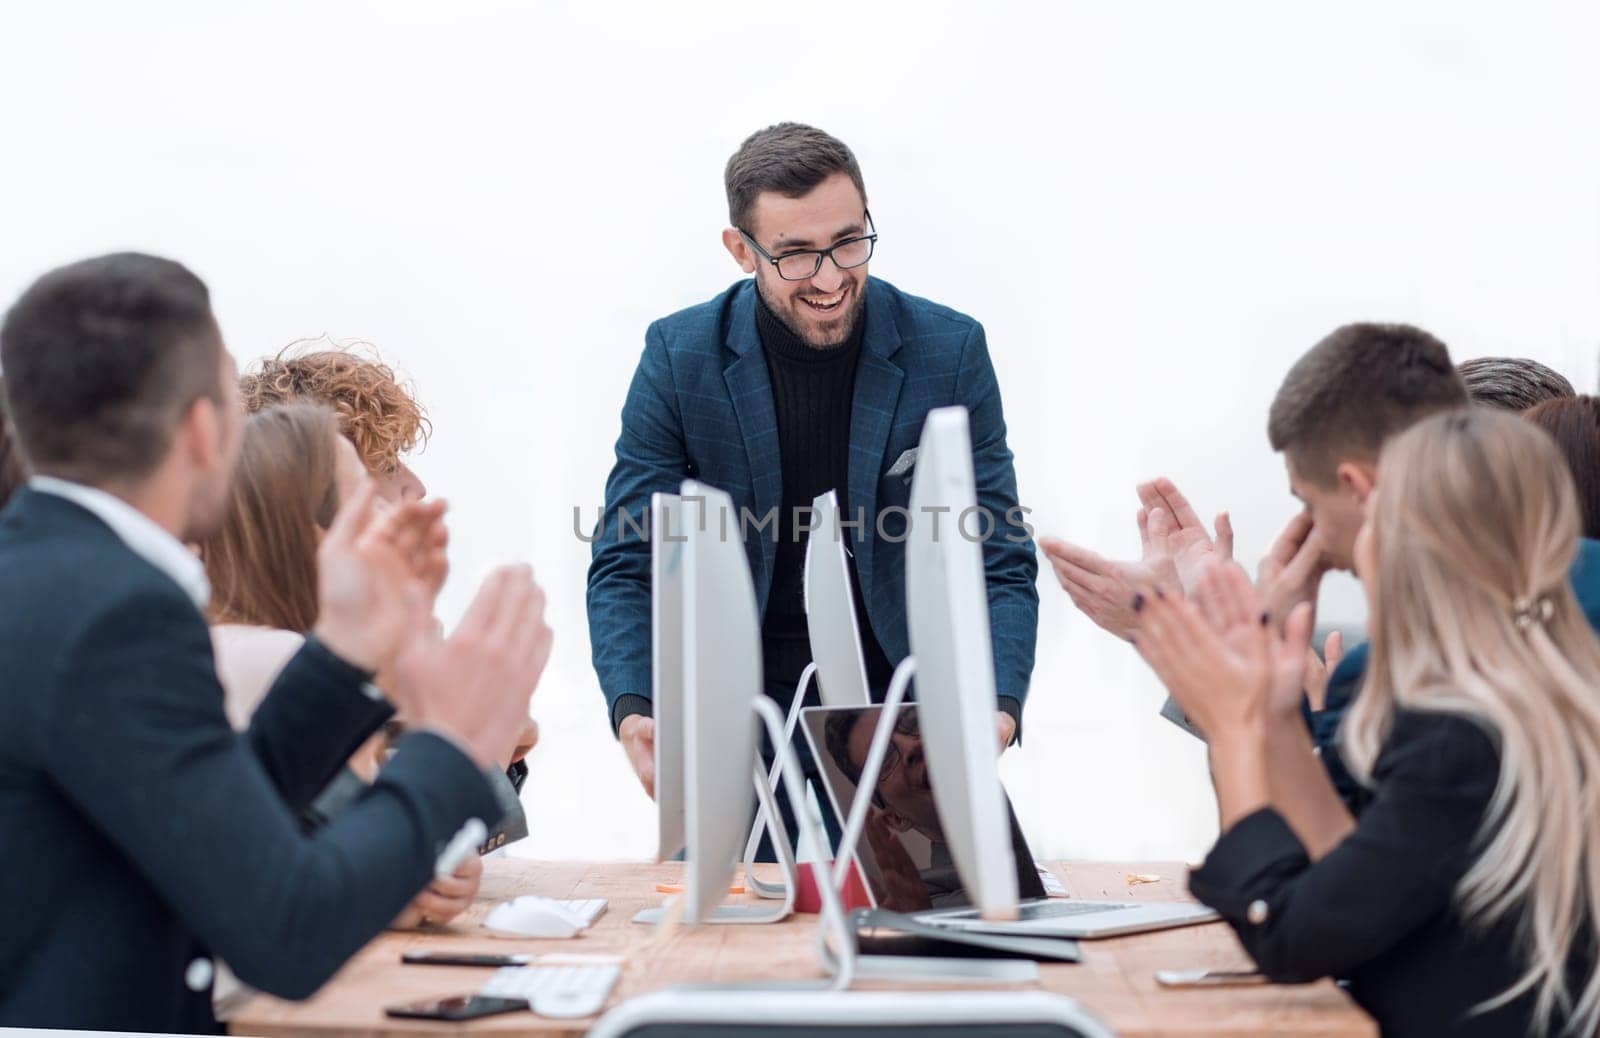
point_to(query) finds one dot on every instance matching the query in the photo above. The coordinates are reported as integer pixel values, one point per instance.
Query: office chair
(747, 1013)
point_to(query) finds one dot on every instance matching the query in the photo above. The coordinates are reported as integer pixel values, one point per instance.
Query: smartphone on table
(457, 1007)
(429, 957)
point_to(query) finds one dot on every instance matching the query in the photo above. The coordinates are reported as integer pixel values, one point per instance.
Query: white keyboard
(563, 992)
(586, 910)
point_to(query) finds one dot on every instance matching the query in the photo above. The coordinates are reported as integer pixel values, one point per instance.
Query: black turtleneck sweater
(812, 393)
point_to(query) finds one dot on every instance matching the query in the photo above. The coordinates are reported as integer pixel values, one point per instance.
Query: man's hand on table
(638, 735)
(1006, 725)
(444, 899)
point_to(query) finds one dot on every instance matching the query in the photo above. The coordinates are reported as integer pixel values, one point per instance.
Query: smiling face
(822, 310)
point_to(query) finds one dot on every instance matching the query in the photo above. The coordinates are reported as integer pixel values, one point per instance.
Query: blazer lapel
(877, 395)
(750, 389)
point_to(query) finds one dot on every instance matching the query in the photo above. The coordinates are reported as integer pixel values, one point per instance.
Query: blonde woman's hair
(1476, 526)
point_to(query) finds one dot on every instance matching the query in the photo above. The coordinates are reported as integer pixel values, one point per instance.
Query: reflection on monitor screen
(903, 854)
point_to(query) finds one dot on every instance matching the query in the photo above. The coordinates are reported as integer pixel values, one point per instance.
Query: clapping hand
(1101, 588)
(475, 684)
(1172, 540)
(1174, 534)
(1320, 668)
(1221, 658)
(371, 562)
(527, 739)
(1292, 570)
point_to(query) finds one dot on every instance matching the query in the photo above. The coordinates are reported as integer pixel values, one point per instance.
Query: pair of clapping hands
(1183, 599)
(379, 569)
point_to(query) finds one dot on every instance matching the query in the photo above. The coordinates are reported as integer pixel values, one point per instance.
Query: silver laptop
(906, 863)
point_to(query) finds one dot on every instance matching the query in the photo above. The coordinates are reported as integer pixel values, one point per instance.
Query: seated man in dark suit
(142, 834)
(807, 377)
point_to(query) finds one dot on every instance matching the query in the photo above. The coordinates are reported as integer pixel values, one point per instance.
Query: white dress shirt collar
(138, 531)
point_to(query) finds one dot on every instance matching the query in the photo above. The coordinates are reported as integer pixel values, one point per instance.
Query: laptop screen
(903, 854)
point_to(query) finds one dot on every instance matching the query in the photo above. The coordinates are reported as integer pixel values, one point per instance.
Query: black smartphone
(457, 1007)
(418, 957)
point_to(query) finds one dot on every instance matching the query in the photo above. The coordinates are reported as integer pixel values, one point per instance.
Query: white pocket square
(903, 464)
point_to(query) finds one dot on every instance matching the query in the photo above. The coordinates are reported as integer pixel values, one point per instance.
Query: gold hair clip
(1529, 611)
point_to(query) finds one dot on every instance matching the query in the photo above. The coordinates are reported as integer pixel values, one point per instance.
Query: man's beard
(782, 310)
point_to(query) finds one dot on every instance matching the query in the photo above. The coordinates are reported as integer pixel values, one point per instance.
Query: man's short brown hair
(376, 409)
(103, 358)
(789, 158)
(12, 474)
(1356, 388)
(1513, 383)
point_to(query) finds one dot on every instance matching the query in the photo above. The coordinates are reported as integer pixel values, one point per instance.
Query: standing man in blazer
(808, 377)
(143, 835)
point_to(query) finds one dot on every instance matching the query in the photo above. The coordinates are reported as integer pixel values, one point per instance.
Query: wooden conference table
(1115, 981)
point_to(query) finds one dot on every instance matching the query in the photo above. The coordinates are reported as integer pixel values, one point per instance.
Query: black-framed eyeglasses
(804, 263)
(905, 724)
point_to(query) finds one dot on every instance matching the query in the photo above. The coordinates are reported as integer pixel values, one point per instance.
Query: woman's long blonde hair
(262, 560)
(1476, 527)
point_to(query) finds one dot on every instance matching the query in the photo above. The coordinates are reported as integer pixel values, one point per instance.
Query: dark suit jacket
(1380, 909)
(140, 833)
(701, 406)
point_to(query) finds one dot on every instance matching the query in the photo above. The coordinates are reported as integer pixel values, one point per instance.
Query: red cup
(853, 894)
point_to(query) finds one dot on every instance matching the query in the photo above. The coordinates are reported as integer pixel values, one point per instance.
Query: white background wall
(1153, 208)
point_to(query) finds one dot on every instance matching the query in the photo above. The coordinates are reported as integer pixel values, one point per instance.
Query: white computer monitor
(831, 610)
(721, 680)
(947, 619)
(666, 668)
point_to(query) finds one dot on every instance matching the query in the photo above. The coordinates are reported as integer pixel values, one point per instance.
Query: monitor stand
(839, 956)
(754, 914)
(773, 821)
(900, 967)
(836, 944)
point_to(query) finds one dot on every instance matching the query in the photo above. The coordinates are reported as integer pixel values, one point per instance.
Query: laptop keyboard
(1062, 909)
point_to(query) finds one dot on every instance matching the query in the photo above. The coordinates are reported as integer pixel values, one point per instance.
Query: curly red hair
(377, 410)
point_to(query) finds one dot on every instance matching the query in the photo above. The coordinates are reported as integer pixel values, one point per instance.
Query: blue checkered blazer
(701, 406)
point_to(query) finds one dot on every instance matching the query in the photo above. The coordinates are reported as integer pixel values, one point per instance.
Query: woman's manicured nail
(1138, 602)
